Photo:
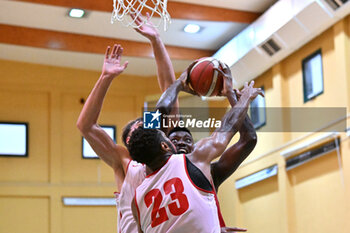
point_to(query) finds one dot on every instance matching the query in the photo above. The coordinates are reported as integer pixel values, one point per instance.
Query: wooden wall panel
(24, 214)
(31, 107)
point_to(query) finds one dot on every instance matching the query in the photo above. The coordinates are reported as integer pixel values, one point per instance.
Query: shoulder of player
(195, 159)
(201, 150)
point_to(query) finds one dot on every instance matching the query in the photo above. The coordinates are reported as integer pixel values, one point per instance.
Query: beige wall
(31, 189)
(315, 196)
(311, 198)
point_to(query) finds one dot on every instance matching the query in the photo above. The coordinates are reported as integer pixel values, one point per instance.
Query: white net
(137, 8)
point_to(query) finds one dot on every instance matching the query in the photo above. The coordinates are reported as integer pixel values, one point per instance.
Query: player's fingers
(138, 29)
(189, 68)
(184, 77)
(226, 66)
(222, 64)
(192, 91)
(119, 52)
(259, 91)
(245, 84)
(234, 229)
(125, 65)
(136, 21)
(239, 229)
(107, 51)
(251, 83)
(262, 93)
(113, 51)
(139, 19)
(134, 17)
(223, 73)
(149, 22)
(238, 92)
(220, 71)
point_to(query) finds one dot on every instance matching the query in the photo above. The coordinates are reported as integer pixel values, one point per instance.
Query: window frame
(304, 62)
(26, 154)
(262, 123)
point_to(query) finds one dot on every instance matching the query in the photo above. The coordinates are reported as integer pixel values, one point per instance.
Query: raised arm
(165, 70)
(209, 148)
(167, 100)
(168, 104)
(236, 154)
(115, 156)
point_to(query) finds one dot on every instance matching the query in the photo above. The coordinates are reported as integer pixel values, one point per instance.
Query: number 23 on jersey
(173, 187)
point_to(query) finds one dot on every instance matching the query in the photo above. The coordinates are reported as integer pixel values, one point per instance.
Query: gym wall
(50, 100)
(313, 197)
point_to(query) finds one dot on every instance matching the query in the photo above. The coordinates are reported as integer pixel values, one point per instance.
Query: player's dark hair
(177, 129)
(127, 128)
(145, 145)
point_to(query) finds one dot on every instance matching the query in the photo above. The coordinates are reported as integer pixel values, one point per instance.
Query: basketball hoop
(123, 8)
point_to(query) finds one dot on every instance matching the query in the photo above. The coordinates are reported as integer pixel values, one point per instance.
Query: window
(258, 111)
(312, 76)
(14, 139)
(88, 152)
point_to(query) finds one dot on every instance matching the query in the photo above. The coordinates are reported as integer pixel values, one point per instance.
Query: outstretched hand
(232, 229)
(111, 65)
(185, 80)
(145, 27)
(226, 73)
(251, 91)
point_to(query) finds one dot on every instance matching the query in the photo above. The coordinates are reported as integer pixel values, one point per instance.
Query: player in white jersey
(135, 175)
(195, 208)
(166, 199)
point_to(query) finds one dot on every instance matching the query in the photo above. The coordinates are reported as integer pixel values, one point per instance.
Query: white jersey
(135, 174)
(168, 201)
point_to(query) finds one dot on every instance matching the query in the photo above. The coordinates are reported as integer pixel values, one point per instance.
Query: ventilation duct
(281, 30)
(335, 4)
(271, 47)
(312, 154)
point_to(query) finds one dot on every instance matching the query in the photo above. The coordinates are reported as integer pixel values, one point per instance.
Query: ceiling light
(76, 13)
(192, 28)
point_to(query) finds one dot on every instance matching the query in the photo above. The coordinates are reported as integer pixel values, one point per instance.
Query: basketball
(204, 79)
